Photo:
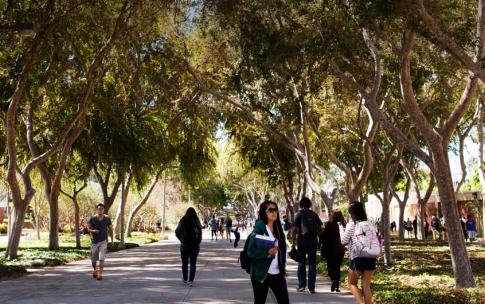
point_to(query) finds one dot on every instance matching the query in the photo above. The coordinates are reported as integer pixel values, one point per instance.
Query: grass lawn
(34, 253)
(422, 273)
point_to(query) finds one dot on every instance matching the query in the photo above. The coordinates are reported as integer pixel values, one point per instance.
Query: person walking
(436, 228)
(237, 224)
(471, 227)
(443, 228)
(332, 248)
(213, 224)
(228, 228)
(286, 223)
(408, 225)
(307, 227)
(222, 227)
(99, 226)
(189, 233)
(360, 235)
(268, 266)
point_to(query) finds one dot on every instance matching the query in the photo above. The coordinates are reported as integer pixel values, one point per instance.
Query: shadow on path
(151, 274)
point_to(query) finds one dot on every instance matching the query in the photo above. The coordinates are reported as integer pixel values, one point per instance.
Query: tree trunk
(15, 230)
(53, 223)
(386, 230)
(459, 254)
(77, 227)
(401, 221)
(421, 220)
(137, 208)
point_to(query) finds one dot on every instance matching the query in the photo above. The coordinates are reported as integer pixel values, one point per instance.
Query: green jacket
(261, 259)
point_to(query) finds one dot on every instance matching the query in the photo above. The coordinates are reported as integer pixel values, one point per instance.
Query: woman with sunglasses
(268, 264)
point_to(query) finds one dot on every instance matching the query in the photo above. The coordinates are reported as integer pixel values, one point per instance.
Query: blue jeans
(307, 252)
(188, 254)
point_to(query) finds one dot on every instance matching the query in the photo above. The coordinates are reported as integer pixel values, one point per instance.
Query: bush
(3, 228)
(67, 229)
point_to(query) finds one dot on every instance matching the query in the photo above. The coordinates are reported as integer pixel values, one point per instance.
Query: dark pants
(277, 283)
(214, 233)
(307, 252)
(237, 237)
(189, 254)
(334, 263)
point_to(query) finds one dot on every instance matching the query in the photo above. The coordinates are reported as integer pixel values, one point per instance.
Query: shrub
(67, 229)
(3, 228)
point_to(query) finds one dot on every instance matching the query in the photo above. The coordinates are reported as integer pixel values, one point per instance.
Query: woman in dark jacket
(332, 249)
(268, 266)
(189, 232)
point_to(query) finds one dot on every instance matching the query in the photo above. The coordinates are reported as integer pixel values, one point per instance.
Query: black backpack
(244, 259)
(309, 225)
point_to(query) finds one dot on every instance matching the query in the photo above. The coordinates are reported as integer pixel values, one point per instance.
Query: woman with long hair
(268, 266)
(363, 267)
(189, 232)
(332, 248)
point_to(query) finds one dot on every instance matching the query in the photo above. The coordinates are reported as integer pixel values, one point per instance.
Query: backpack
(244, 260)
(309, 225)
(367, 244)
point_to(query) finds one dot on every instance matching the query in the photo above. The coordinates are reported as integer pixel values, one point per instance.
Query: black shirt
(298, 223)
(102, 226)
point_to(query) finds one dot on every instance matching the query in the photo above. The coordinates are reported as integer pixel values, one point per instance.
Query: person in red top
(332, 249)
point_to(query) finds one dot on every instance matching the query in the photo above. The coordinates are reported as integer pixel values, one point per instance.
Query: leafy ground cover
(34, 253)
(422, 273)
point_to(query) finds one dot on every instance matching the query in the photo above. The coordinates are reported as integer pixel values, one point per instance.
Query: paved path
(151, 274)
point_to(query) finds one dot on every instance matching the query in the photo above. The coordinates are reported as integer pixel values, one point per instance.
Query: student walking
(268, 266)
(189, 232)
(305, 236)
(361, 237)
(99, 226)
(221, 227)
(332, 248)
(237, 224)
(228, 228)
(436, 227)
(471, 227)
(214, 225)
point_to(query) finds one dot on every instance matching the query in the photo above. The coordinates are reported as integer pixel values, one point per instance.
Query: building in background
(468, 201)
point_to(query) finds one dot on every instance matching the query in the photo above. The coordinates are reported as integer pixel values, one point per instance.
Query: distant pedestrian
(364, 247)
(214, 225)
(189, 232)
(471, 227)
(415, 227)
(307, 227)
(236, 227)
(332, 248)
(222, 227)
(436, 228)
(408, 225)
(286, 223)
(393, 226)
(228, 228)
(443, 228)
(268, 267)
(99, 226)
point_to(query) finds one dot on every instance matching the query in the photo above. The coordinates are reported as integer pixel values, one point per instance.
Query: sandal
(95, 274)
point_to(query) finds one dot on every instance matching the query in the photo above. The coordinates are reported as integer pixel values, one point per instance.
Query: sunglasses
(272, 210)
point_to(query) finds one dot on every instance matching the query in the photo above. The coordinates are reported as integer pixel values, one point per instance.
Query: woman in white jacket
(359, 266)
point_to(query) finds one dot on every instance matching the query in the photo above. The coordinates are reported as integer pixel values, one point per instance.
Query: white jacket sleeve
(346, 236)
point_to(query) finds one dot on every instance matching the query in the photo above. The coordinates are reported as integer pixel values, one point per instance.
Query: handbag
(293, 254)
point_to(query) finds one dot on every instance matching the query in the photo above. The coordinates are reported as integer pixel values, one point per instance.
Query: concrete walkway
(151, 274)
